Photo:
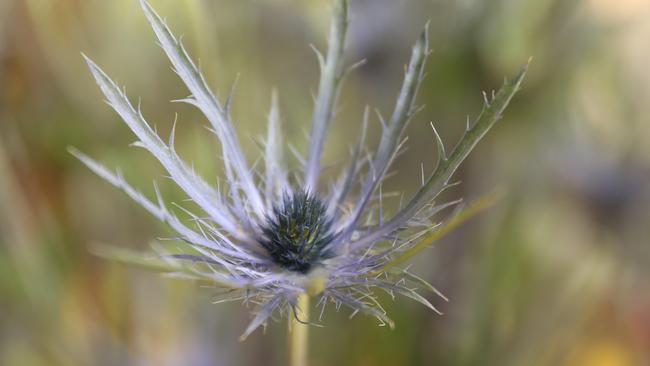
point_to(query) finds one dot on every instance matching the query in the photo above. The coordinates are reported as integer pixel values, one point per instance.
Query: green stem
(299, 333)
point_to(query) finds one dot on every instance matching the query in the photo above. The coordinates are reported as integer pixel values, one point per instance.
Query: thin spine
(420, 281)
(404, 291)
(361, 306)
(331, 76)
(442, 155)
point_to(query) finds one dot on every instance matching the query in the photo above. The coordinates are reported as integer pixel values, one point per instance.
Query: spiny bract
(271, 238)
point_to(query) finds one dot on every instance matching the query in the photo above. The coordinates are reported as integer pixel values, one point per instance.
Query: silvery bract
(270, 238)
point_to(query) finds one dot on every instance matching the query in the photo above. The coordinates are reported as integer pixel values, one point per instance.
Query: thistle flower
(271, 239)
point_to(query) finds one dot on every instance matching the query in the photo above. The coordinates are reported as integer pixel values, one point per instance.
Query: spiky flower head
(271, 239)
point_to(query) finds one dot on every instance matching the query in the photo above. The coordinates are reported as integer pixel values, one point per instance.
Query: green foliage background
(557, 273)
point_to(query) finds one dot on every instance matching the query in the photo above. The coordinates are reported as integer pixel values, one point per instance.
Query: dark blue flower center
(298, 233)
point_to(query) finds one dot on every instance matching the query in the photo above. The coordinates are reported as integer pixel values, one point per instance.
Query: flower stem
(299, 333)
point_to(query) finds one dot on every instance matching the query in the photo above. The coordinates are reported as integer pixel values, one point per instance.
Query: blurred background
(556, 273)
